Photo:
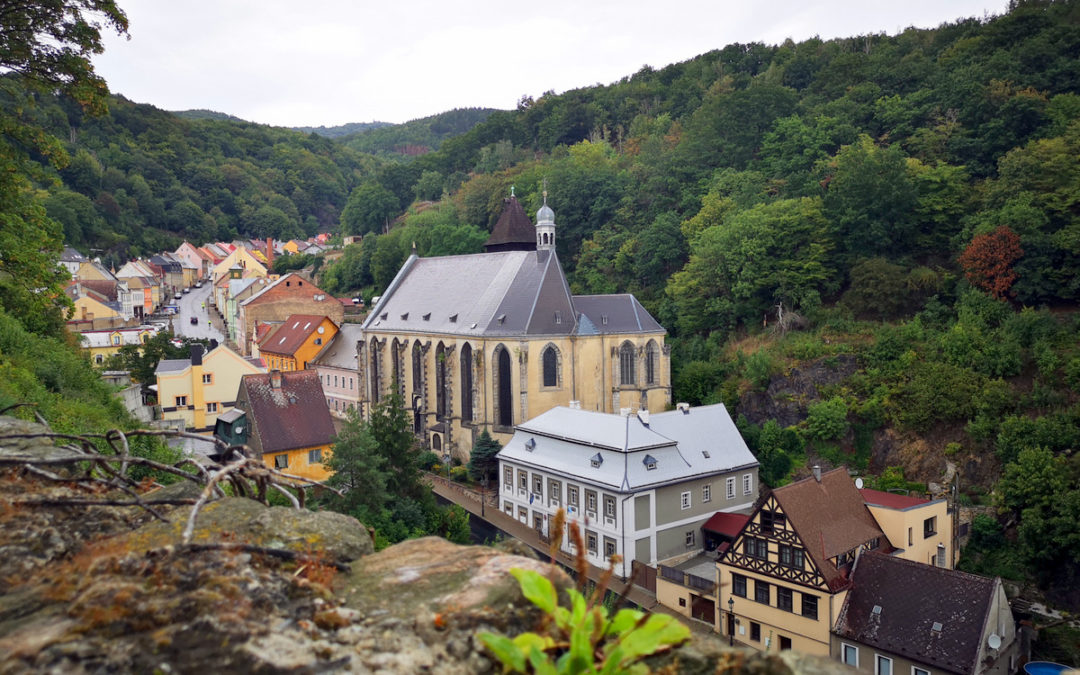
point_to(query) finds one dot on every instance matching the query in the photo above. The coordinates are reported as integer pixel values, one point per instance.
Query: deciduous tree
(988, 261)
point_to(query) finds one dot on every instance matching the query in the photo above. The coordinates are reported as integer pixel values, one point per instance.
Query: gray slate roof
(913, 597)
(341, 351)
(565, 441)
(505, 293)
(172, 365)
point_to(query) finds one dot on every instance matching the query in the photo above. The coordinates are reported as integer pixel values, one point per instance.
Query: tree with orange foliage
(988, 261)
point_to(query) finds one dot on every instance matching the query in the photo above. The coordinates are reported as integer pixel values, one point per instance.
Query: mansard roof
(616, 451)
(513, 231)
(912, 600)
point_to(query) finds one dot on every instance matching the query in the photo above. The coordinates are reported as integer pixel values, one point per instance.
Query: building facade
(196, 390)
(922, 529)
(293, 344)
(904, 617)
(277, 301)
(487, 341)
(337, 368)
(639, 485)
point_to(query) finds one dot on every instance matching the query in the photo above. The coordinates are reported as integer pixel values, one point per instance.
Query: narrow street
(195, 304)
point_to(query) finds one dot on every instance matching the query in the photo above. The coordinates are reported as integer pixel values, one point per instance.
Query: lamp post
(483, 493)
(731, 621)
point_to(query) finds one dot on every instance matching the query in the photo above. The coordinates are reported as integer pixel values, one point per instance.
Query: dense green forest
(901, 211)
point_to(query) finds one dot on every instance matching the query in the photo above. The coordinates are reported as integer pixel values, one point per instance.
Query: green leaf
(504, 649)
(537, 588)
(527, 641)
(624, 621)
(581, 656)
(541, 662)
(660, 630)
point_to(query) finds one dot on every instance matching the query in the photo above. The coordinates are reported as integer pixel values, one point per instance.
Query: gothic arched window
(652, 363)
(504, 400)
(626, 364)
(466, 383)
(550, 363)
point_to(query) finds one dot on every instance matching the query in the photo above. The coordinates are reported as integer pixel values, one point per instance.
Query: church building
(490, 340)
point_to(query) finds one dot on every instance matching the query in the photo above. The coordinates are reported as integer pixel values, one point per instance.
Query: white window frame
(878, 658)
(706, 493)
(748, 483)
(843, 654)
(915, 670)
(211, 407)
(730, 483)
(691, 539)
(685, 501)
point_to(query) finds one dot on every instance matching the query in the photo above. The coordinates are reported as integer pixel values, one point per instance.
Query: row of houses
(823, 565)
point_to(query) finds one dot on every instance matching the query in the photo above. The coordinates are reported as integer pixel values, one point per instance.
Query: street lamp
(731, 621)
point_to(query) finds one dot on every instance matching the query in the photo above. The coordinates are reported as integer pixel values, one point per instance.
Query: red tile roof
(292, 334)
(287, 418)
(891, 500)
(727, 524)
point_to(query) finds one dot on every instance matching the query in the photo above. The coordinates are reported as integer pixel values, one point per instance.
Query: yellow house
(785, 576)
(297, 341)
(921, 529)
(92, 271)
(292, 247)
(285, 421)
(489, 340)
(101, 344)
(239, 257)
(89, 306)
(199, 389)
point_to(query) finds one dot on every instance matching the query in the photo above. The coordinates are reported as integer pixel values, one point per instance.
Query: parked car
(194, 321)
(187, 290)
(177, 296)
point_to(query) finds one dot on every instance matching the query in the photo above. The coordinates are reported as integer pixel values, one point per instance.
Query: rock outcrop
(256, 589)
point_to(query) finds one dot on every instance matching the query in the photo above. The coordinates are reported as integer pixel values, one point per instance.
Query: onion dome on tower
(545, 227)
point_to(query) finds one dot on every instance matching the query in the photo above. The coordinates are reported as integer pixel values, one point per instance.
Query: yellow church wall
(588, 369)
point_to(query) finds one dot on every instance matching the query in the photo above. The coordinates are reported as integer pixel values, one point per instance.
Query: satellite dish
(858, 483)
(994, 641)
(322, 329)
(240, 429)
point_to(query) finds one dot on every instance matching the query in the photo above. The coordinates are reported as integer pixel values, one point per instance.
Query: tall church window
(398, 364)
(376, 382)
(652, 362)
(504, 411)
(550, 363)
(440, 381)
(466, 383)
(626, 364)
(417, 368)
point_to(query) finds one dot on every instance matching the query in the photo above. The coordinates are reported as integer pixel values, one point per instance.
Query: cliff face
(101, 588)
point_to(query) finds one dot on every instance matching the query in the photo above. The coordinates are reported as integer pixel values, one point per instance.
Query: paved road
(193, 304)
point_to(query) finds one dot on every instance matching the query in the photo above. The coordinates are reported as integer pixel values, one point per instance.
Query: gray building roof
(495, 294)
(341, 351)
(616, 314)
(677, 445)
(172, 365)
(503, 293)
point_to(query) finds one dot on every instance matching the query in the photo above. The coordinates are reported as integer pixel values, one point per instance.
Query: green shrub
(1072, 373)
(827, 420)
(759, 369)
(459, 473)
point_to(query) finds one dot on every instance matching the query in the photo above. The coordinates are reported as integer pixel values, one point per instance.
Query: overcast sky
(329, 62)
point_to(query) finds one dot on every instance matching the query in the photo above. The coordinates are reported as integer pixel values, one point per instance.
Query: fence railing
(677, 576)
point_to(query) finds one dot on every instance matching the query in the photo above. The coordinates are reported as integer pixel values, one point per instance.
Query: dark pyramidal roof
(513, 231)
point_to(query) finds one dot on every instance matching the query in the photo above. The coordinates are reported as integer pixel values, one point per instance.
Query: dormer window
(649, 462)
(384, 315)
(453, 318)
(596, 460)
(530, 444)
(405, 316)
(427, 317)
(501, 318)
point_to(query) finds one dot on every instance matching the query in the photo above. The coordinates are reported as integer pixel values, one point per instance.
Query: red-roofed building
(283, 418)
(720, 530)
(921, 528)
(297, 341)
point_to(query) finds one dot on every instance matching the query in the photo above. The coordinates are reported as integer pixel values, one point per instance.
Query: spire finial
(545, 191)
(511, 190)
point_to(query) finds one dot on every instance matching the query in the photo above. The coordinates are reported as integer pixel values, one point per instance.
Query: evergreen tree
(482, 460)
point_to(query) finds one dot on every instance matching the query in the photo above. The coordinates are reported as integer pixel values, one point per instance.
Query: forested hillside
(897, 214)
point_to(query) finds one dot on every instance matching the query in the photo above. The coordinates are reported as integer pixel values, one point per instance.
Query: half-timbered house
(786, 574)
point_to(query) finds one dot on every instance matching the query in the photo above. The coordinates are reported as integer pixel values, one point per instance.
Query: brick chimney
(275, 379)
(270, 251)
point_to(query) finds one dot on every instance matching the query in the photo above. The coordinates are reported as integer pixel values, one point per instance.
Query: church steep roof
(513, 231)
(504, 293)
(620, 313)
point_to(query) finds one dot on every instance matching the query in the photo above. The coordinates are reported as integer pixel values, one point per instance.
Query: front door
(731, 624)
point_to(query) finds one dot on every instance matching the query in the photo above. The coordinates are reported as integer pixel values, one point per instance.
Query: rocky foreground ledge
(256, 589)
